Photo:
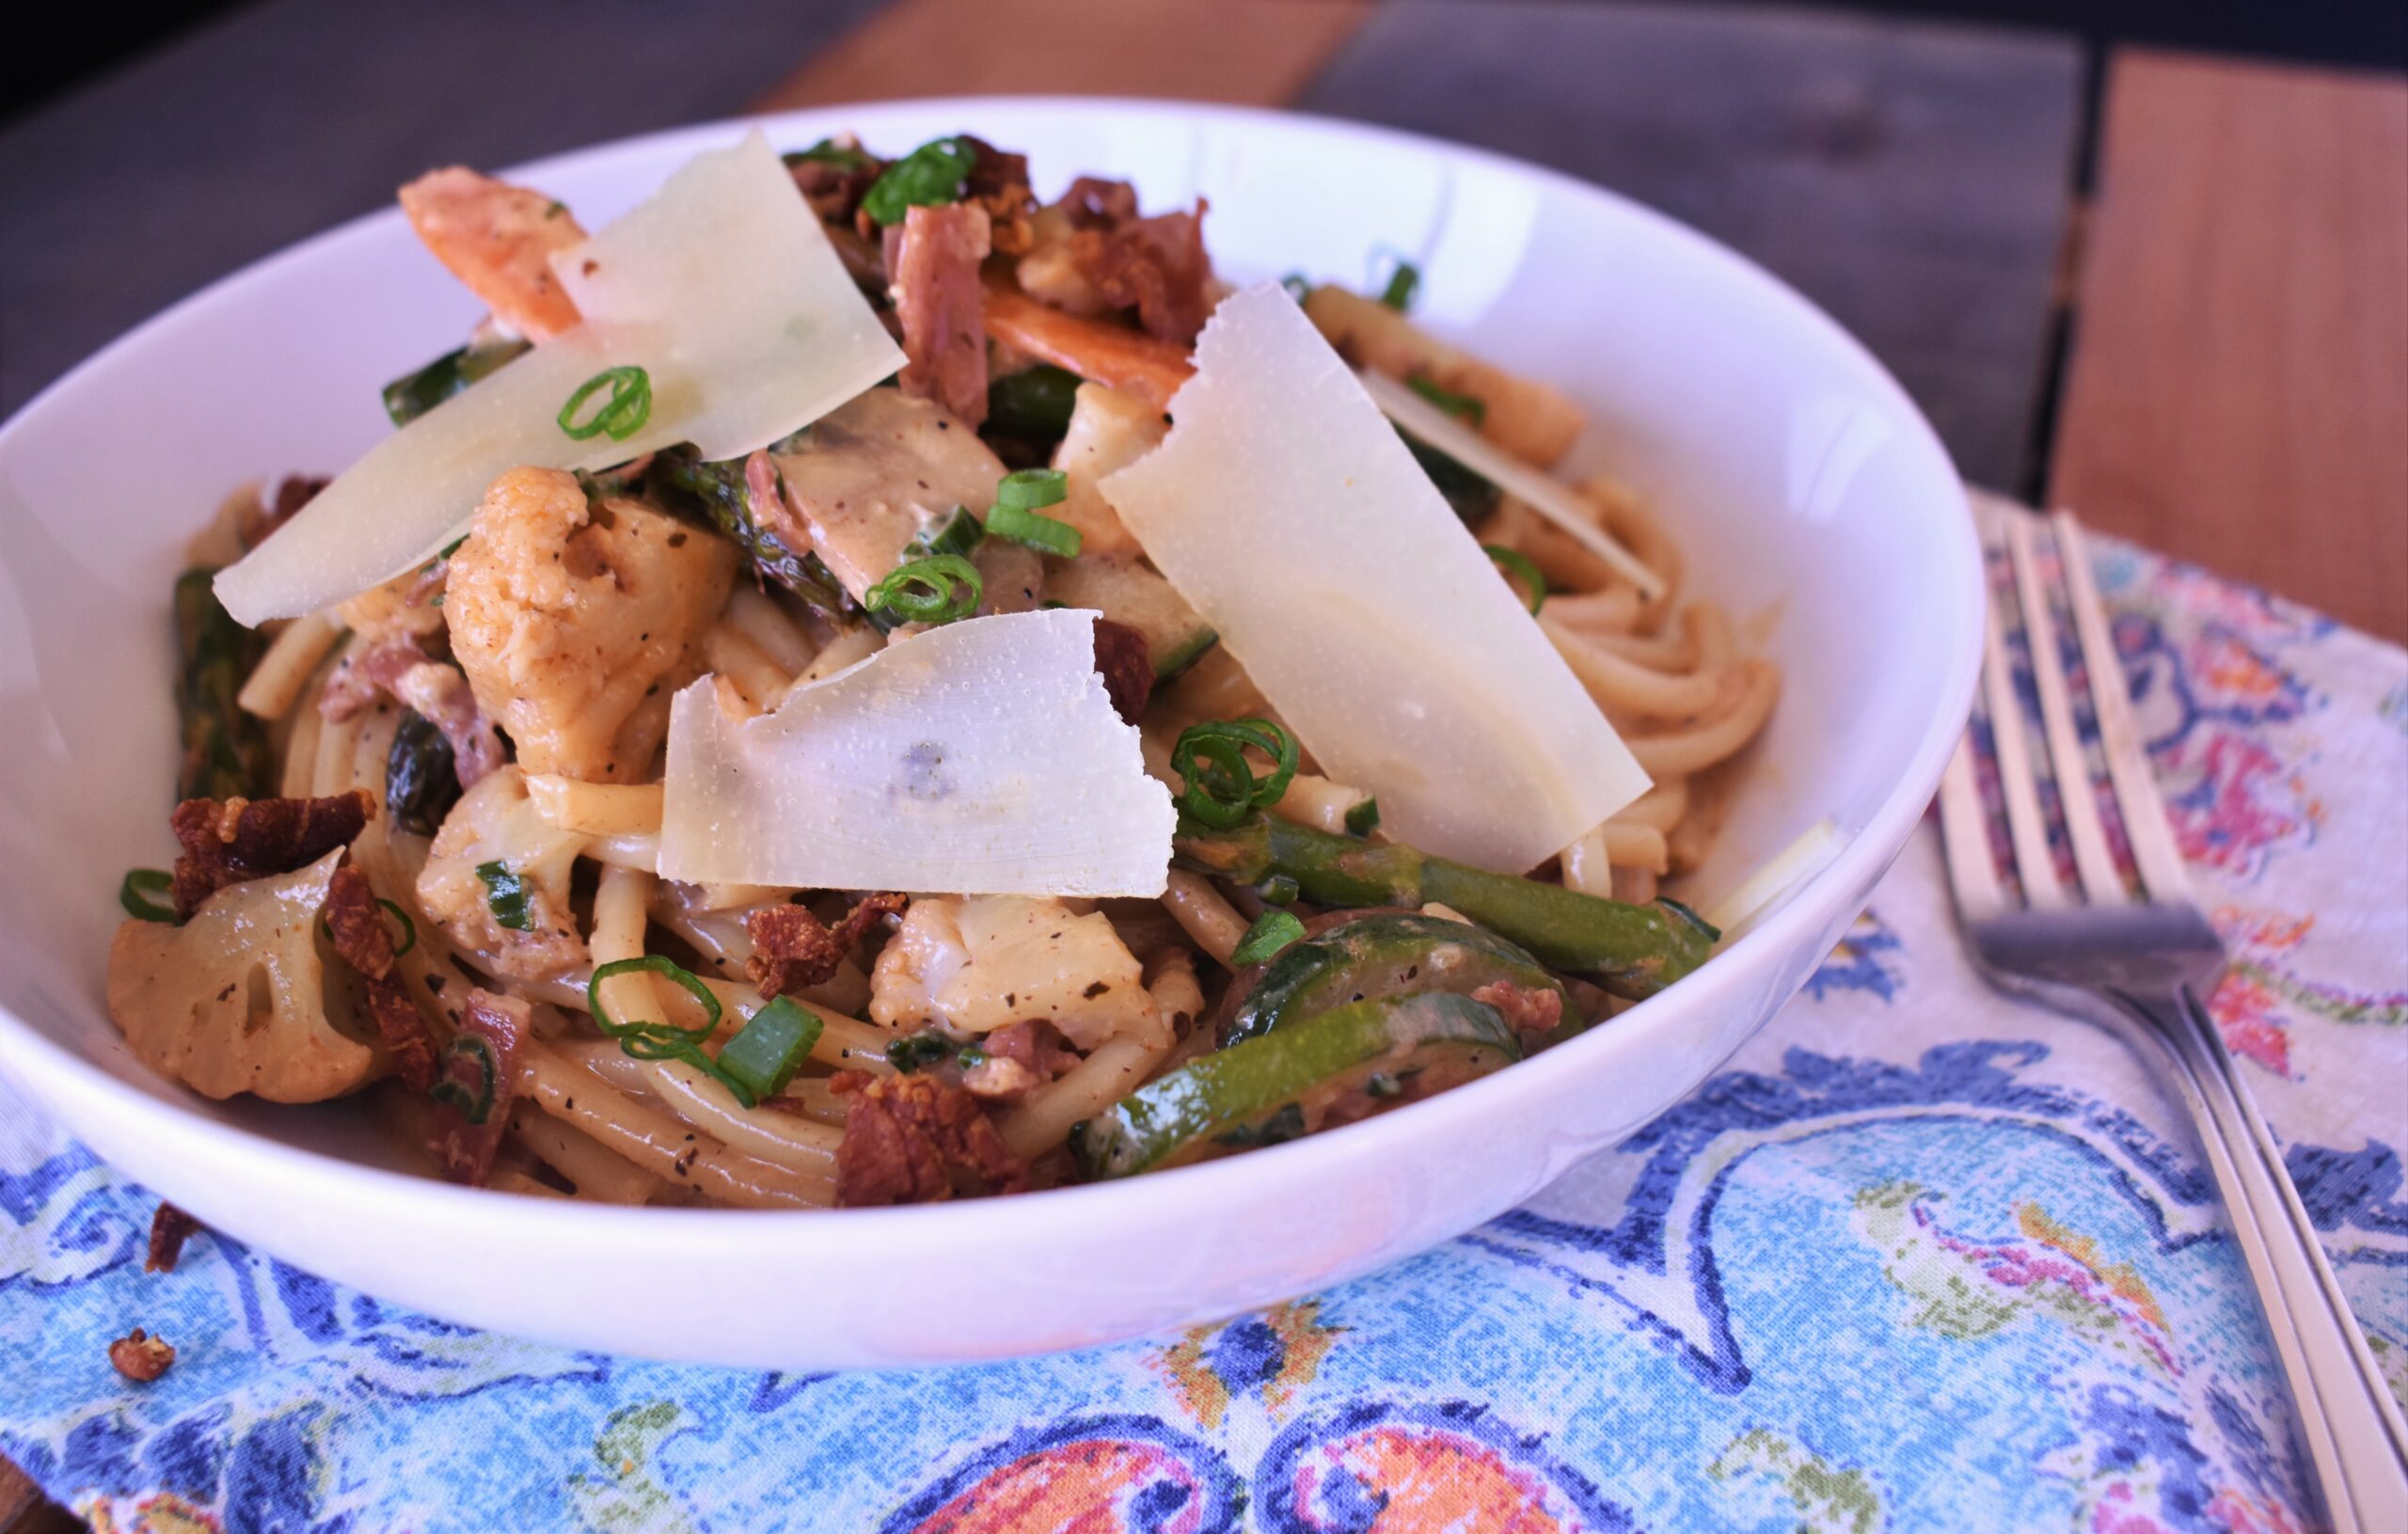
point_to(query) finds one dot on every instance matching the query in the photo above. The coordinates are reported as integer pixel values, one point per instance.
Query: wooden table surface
(2207, 352)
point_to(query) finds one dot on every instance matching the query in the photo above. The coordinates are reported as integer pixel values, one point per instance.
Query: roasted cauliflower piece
(576, 623)
(241, 999)
(495, 822)
(975, 963)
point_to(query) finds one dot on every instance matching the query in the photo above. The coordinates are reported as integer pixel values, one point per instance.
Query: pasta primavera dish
(859, 684)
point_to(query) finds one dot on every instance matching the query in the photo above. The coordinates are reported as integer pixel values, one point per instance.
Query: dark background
(78, 43)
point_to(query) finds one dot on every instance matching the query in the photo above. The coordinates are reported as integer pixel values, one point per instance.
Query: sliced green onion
(771, 1046)
(668, 968)
(1271, 931)
(622, 415)
(506, 896)
(1034, 529)
(1029, 488)
(1279, 890)
(1468, 408)
(476, 1106)
(960, 535)
(927, 177)
(1403, 283)
(936, 590)
(139, 894)
(1517, 565)
(451, 548)
(1299, 286)
(1221, 787)
(1364, 818)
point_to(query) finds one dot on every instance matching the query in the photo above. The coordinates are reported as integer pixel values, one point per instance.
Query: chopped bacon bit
(1533, 1011)
(999, 184)
(1113, 354)
(834, 191)
(227, 843)
(1128, 669)
(466, 1145)
(275, 509)
(917, 1140)
(1094, 203)
(1156, 266)
(442, 697)
(941, 303)
(360, 936)
(141, 1357)
(359, 678)
(170, 1228)
(1021, 1057)
(792, 948)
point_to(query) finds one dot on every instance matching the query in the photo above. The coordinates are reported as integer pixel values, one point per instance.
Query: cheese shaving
(1285, 508)
(983, 757)
(723, 287)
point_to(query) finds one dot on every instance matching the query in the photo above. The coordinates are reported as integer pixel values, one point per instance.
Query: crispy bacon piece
(1128, 670)
(938, 299)
(170, 1228)
(276, 508)
(917, 1140)
(226, 843)
(836, 191)
(999, 184)
(1093, 202)
(1147, 366)
(360, 936)
(792, 948)
(1531, 1011)
(1156, 266)
(473, 1118)
(1021, 1057)
(141, 1357)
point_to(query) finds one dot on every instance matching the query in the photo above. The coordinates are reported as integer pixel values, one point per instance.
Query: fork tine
(2035, 869)
(2160, 861)
(1965, 838)
(2076, 798)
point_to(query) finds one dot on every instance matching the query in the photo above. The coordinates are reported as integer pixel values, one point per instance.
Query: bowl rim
(54, 1074)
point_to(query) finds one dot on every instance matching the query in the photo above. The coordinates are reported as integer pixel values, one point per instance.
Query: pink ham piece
(942, 304)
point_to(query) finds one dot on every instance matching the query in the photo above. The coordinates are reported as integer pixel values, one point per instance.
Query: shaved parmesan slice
(1540, 492)
(722, 288)
(1286, 509)
(980, 758)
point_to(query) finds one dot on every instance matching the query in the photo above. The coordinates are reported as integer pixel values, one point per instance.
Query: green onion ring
(1221, 787)
(476, 1107)
(936, 590)
(1034, 529)
(668, 968)
(622, 415)
(1271, 931)
(1515, 562)
(137, 895)
(1031, 489)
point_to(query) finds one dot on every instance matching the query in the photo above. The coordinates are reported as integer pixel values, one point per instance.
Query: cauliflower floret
(240, 999)
(1108, 430)
(496, 822)
(576, 623)
(975, 963)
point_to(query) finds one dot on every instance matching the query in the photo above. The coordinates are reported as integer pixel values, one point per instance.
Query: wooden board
(1257, 51)
(2239, 387)
(1911, 178)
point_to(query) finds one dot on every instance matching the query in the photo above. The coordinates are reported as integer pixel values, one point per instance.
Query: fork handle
(2348, 1416)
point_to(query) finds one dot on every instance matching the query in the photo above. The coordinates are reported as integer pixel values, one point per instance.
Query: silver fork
(2140, 966)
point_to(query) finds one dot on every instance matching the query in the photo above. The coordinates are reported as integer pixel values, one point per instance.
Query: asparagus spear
(715, 492)
(1629, 950)
(226, 753)
(414, 394)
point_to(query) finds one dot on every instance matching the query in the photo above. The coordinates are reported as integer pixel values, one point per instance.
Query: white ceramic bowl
(1803, 483)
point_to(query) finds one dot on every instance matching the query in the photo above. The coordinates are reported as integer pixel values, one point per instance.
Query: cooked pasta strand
(277, 681)
(1216, 928)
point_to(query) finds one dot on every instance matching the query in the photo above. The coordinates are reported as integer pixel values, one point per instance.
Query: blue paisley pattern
(1919, 1258)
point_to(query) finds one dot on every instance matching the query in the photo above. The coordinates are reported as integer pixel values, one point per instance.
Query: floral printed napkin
(1920, 1258)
